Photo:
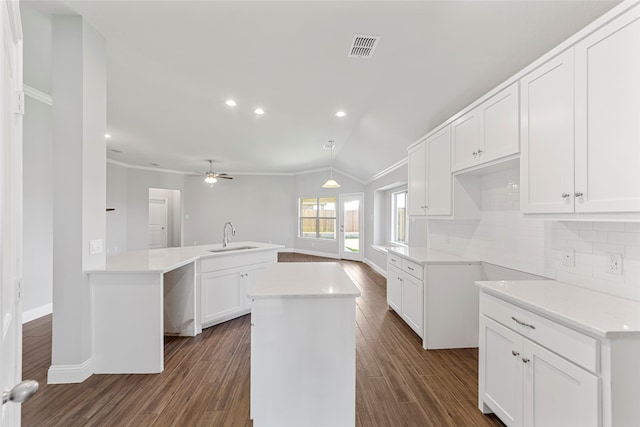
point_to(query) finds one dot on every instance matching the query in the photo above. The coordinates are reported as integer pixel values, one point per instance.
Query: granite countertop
(304, 280)
(163, 260)
(595, 313)
(424, 256)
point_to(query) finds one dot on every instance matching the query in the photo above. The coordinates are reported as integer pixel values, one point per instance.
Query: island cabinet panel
(303, 357)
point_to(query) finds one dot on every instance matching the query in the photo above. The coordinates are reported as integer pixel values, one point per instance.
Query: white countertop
(424, 256)
(592, 312)
(163, 260)
(304, 280)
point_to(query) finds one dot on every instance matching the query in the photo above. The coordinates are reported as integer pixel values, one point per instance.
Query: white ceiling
(172, 65)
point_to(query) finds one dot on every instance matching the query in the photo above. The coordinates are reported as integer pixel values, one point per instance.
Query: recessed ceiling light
(154, 164)
(341, 114)
(259, 111)
(231, 103)
(114, 150)
(106, 135)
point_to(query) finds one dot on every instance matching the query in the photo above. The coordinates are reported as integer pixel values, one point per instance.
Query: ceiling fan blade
(224, 176)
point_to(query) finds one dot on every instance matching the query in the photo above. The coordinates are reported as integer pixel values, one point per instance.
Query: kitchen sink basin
(232, 248)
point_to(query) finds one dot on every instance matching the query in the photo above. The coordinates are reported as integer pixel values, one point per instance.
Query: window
(317, 218)
(399, 217)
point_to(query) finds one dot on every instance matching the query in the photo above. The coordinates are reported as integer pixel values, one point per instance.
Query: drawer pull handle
(525, 360)
(410, 268)
(520, 322)
(515, 353)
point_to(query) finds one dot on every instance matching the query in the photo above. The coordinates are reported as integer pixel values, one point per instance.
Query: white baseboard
(36, 313)
(66, 374)
(377, 268)
(322, 254)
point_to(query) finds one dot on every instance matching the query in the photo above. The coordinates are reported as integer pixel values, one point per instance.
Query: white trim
(36, 313)
(37, 95)
(314, 253)
(388, 170)
(66, 374)
(13, 9)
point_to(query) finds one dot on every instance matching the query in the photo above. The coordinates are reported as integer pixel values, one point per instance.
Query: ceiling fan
(211, 177)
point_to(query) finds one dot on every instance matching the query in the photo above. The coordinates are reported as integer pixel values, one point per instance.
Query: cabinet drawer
(394, 260)
(574, 346)
(412, 268)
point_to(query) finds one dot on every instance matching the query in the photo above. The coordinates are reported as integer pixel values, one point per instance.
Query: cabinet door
(220, 295)
(413, 303)
(439, 173)
(608, 118)
(394, 288)
(465, 140)
(500, 371)
(247, 280)
(557, 392)
(418, 180)
(547, 119)
(500, 125)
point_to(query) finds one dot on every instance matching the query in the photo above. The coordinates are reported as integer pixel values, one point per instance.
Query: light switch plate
(95, 247)
(614, 263)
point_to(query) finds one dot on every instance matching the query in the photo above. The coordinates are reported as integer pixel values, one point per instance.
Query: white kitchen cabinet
(487, 132)
(546, 162)
(526, 384)
(394, 285)
(439, 184)
(580, 130)
(417, 184)
(436, 296)
(223, 291)
(607, 145)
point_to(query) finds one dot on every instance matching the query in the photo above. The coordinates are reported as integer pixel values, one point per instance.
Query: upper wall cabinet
(581, 128)
(607, 147)
(439, 173)
(417, 185)
(488, 132)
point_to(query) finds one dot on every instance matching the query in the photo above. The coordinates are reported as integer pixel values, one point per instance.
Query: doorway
(165, 218)
(351, 226)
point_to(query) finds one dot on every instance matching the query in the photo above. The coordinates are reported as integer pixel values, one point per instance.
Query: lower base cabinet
(528, 385)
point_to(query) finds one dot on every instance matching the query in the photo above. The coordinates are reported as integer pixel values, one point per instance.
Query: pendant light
(331, 183)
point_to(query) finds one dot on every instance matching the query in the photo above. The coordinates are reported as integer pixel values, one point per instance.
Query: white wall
(117, 200)
(503, 237)
(37, 167)
(259, 206)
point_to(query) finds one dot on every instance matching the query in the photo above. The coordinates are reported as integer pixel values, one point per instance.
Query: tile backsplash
(504, 237)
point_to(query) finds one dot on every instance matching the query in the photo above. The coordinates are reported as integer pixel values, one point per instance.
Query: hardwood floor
(206, 378)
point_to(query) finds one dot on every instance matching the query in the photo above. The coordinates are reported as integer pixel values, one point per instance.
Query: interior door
(11, 110)
(157, 223)
(351, 226)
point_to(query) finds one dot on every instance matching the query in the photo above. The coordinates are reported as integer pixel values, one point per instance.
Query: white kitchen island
(303, 346)
(140, 296)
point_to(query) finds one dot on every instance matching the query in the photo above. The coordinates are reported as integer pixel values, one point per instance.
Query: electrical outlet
(614, 263)
(569, 257)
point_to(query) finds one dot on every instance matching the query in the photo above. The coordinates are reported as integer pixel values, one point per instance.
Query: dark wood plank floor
(206, 378)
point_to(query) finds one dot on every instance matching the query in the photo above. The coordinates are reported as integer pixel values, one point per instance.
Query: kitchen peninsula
(140, 296)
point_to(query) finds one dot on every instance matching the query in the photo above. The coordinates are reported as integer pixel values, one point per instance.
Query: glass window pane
(327, 228)
(327, 207)
(308, 207)
(308, 227)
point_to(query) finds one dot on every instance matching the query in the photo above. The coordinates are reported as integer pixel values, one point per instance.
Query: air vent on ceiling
(363, 46)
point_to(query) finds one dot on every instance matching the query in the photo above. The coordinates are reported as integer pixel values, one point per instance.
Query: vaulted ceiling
(173, 64)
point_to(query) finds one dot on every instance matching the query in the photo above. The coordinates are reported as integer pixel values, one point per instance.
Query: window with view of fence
(317, 217)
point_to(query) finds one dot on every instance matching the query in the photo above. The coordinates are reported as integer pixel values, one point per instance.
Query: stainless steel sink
(232, 248)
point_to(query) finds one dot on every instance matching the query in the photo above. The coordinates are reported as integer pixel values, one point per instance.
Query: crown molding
(37, 95)
(388, 170)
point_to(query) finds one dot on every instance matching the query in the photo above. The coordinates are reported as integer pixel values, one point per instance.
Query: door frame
(12, 111)
(342, 199)
(166, 218)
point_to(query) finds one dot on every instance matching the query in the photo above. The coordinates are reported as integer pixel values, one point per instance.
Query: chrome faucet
(225, 235)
